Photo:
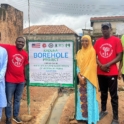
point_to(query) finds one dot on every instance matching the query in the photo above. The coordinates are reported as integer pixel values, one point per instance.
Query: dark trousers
(109, 83)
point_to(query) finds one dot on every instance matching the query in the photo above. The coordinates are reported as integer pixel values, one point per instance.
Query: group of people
(97, 71)
(13, 63)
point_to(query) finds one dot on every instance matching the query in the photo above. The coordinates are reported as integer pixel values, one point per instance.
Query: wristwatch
(83, 77)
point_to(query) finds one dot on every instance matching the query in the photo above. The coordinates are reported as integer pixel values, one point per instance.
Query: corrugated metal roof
(49, 29)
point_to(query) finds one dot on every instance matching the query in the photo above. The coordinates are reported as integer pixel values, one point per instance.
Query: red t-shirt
(17, 60)
(107, 50)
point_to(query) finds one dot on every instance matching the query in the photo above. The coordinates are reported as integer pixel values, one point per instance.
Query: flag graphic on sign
(36, 45)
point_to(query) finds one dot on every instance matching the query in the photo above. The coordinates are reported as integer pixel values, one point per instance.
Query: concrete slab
(57, 109)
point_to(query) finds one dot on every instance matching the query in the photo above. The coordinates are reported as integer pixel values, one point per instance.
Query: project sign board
(51, 63)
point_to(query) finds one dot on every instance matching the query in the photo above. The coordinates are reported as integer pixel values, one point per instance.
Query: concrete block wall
(11, 24)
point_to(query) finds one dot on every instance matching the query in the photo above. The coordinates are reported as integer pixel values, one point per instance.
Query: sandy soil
(69, 109)
(39, 96)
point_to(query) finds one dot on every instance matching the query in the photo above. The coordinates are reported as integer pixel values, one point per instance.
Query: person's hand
(119, 75)
(25, 82)
(82, 80)
(105, 68)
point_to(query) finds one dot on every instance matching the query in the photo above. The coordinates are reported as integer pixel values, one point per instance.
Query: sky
(75, 14)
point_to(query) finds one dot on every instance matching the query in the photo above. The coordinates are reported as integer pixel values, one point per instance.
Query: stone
(26, 118)
(72, 116)
(74, 122)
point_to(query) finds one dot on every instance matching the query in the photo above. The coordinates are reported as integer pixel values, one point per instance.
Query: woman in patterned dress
(87, 97)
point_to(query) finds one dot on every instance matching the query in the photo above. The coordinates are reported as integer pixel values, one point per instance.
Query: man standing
(15, 78)
(109, 52)
(3, 66)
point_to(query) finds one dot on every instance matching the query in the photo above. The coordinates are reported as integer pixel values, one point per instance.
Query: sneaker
(17, 120)
(102, 114)
(8, 121)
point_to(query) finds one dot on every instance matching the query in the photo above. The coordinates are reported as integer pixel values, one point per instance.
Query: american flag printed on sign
(35, 45)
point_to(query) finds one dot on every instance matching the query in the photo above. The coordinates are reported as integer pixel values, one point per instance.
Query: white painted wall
(97, 26)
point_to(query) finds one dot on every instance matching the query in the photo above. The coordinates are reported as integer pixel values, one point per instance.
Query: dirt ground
(69, 109)
(39, 96)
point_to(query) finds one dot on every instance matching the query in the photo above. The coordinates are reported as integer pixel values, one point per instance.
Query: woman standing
(3, 66)
(87, 97)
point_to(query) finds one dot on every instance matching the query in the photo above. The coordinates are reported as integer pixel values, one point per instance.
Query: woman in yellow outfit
(87, 97)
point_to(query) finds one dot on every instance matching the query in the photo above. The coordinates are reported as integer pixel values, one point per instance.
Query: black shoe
(8, 121)
(17, 120)
(102, 114)
(115, 121)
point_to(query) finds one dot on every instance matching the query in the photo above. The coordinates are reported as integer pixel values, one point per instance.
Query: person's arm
(106, 67)
(6, 46)
(98, 62)
(117, 59)
(120, 67)
(4, 61)
(118, 50)
(81, 79)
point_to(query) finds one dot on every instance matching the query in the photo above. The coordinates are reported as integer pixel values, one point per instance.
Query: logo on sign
(43, 45)
(50, 45)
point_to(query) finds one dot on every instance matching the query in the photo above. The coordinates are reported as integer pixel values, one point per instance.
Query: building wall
(97, 27)
(87, 32)
(11, 24)
(54, 37)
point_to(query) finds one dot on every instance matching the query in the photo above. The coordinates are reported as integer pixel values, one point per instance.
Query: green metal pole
(75, 85)
(28, 97)
(28, 81)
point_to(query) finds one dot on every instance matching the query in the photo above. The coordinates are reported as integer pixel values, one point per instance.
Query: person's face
(85, 42)
(20, 42)
(106, 31)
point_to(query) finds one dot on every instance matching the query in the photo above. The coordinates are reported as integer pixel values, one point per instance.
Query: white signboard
(51, 63)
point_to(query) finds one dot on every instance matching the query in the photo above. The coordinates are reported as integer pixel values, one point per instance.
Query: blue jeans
(16, 91)
(1, 112)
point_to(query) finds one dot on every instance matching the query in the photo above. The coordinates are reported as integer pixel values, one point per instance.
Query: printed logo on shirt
(106, 50)
(17, 60)
(113, 78)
